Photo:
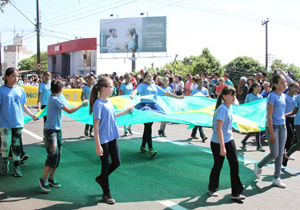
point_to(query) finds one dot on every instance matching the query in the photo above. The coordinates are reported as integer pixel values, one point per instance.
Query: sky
(228, 28)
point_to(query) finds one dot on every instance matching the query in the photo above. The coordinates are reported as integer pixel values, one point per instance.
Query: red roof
(72, 46)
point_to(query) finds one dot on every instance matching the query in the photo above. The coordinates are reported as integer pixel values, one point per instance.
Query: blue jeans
(276, 149)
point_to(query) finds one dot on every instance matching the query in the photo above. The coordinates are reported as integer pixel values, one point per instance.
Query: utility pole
(38, 53)
(265, 22)
(133, 64)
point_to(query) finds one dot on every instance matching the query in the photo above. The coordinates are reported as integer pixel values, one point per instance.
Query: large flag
(192, 110)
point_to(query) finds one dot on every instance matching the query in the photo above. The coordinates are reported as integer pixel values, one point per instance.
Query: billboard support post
(133, 62)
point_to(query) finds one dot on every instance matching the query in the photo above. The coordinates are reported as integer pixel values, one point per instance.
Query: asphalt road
(177, 178)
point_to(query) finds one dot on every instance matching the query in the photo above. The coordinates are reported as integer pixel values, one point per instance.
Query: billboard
(123, 35)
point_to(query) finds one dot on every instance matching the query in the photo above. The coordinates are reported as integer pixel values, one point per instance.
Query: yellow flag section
(73, 95)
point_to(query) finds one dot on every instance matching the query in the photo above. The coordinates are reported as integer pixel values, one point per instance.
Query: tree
(2, 4)
(29, 63)
(206, 62)
(242, 66)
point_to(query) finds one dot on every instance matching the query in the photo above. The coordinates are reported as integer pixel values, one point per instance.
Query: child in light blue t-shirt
(253, 95)
(204, 92)
(86, 92)
(52, 134)
(12, 107)
(126, 89)
(44, 92)
(168, 89)
(292, 121)
(275, 129)
(222, 144)
(106, 133)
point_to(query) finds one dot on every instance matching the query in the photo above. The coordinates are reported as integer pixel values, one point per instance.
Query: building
(75, 57)
(13, 54)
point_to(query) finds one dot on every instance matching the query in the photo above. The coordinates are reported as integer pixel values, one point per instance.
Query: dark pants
(296, 146)
(257, 137)
(194, 132)
(109, 149)
(236, 185)
(290, 132)
(89, 127)
(53, 146)
(147, 135)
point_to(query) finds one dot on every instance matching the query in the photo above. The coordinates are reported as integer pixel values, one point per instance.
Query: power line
(82, 17)
(69, 14)
(22, 13)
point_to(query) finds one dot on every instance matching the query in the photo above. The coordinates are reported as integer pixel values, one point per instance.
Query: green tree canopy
(242, 66)
(29, 63)
(205, 62)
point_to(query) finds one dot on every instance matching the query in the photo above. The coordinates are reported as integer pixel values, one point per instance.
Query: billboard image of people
(147, 34)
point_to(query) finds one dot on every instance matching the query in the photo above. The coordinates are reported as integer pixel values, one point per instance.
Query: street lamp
(143, 13)
(111, 15)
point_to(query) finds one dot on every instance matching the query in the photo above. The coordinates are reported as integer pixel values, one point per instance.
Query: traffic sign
(38, 66)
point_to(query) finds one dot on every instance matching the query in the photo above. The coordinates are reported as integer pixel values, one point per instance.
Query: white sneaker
(278, 183)
(212, 193)
(257, 171)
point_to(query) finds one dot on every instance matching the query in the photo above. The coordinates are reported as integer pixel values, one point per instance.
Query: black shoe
(204, 139)
(194, 137)
(24, 157)
(285, 160)
(152, 153)
(108, 199)
(53, 183)
(129, 131)
(44, 185)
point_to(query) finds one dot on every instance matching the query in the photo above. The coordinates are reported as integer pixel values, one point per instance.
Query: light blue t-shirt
(204, 91)
(145, 90)
(278, 101)
(86, 90)
(228, 82)
(11, 107)
(108, 130)
(290, 103)
(297, 104)
(126, 88)
(223, 113)
(45, 90)
(252, 97)
(54, 113)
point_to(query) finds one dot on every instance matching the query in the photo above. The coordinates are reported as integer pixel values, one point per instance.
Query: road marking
(33, 134)
(171, 205)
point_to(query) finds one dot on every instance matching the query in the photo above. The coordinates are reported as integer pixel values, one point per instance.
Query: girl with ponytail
(275, 129)
(105, 132)
(222, 144)
(253, 95)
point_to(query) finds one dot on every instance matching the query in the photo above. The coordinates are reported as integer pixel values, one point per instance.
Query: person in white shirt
(112, 43)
